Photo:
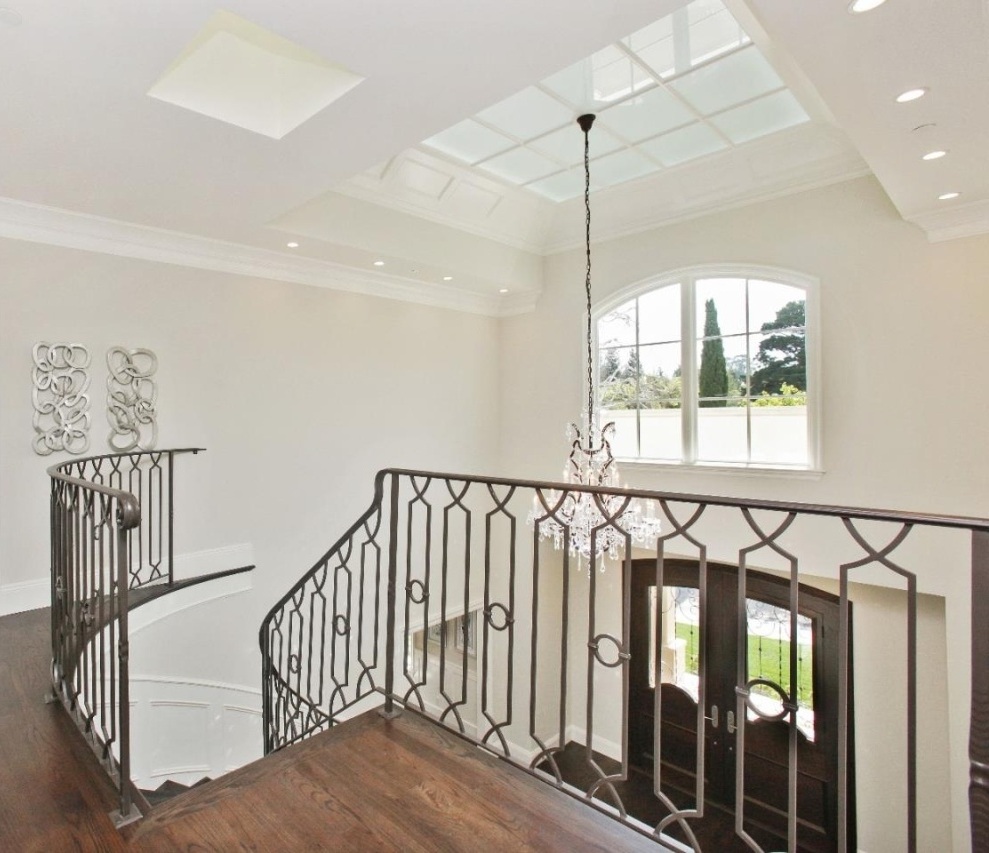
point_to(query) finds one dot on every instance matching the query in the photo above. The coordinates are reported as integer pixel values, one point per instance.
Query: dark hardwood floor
(369, 784)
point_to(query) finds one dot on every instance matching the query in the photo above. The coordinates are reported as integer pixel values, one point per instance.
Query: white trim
(20, 220)
(198, 682)
(953, 221)
(687, 277)
(26, 595)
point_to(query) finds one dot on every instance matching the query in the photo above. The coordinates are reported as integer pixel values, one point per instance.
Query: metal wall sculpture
(131, 399)
(61, 404)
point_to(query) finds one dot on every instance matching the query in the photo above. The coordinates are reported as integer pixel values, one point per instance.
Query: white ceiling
(79, 133)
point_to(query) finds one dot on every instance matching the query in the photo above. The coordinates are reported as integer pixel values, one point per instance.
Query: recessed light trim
(448, 278)
(911, 95)
(292, 245)
(948, 196)
(934, 155)
(503, 290)
(379, 263)
(856, 7)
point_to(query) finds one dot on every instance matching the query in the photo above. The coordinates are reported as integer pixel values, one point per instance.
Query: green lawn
(764, 662)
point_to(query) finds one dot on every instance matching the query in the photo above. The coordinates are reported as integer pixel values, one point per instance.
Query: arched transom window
(713, 367)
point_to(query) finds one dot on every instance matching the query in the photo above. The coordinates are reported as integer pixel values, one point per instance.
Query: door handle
(730, 723)
(713, 719)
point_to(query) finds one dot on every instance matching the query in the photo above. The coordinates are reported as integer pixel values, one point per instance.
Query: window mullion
(688, 371)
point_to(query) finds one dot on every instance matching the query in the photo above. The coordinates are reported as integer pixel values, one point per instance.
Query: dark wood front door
(685, 642)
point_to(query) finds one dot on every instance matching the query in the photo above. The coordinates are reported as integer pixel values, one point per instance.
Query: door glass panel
(680, 646)
(768, 629)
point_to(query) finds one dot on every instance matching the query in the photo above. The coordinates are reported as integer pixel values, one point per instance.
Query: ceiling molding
(951, 223)
(36, 223)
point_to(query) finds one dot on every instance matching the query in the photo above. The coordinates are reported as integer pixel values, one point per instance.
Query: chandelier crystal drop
(591, 525)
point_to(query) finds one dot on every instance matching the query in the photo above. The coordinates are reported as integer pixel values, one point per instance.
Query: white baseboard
(213, 560)
(27, 595)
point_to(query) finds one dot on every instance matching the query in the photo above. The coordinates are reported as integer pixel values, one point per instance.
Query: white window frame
(687, 278)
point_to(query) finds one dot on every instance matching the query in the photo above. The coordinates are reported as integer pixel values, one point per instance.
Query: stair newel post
(978, 743)
(123, 667)
(389, 711)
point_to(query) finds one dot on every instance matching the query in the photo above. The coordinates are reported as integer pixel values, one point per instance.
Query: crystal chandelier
(583, 518)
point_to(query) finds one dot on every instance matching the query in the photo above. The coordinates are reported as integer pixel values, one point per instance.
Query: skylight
(687, 86)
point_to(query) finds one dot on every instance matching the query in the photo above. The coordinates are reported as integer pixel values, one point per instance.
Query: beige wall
(299, 394)
(903, 326)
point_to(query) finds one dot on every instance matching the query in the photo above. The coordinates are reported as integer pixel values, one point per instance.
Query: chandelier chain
(587, 284)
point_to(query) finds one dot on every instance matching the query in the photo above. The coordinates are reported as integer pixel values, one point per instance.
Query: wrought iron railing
(542, 674)
(112, 532)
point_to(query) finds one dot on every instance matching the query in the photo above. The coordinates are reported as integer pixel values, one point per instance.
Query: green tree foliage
(629, 386)
(713, 381)
(782, 357)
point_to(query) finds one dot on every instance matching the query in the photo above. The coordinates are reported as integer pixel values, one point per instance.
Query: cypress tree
(713, 380)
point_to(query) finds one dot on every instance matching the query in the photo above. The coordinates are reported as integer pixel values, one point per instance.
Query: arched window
(713, 366)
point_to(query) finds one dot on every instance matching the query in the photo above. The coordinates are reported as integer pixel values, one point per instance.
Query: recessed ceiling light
(10, 17)
(503, 290)
(947, 196)
(934, 155)
(292, 245)
(448, 278)
(857, 6)
(379, 263)
(910, 95)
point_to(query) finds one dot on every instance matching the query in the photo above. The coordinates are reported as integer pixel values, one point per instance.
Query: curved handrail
(97, 559)
(129, 508)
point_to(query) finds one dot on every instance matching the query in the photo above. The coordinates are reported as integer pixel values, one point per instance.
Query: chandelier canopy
(588, 524)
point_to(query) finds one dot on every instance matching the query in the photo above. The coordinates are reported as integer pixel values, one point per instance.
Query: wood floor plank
(368, 785)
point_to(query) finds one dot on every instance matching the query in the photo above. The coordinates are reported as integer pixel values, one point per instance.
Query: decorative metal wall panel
(131, 399)
(61, 404)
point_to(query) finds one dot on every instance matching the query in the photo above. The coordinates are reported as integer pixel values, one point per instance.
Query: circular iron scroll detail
(293, 663)
(505, 616)
(413, 587)
(341, 625)
(772, 685)
(595, 646)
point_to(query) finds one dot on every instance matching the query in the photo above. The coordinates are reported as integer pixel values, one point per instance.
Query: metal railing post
(171, 517)
(123, 674)
(978, 743)
(389, 711)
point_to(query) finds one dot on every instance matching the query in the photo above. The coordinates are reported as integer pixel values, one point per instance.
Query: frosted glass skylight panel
(687, 143)
(561, 186)
(528, 114)
(648, 115)
(728, 81)
(606, 76)
(712, 31)
(567, 144)
(469, 141)
(520, 165)
(654, 46)
(767, 115)
(620, 167)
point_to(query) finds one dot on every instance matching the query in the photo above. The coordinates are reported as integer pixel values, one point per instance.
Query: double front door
(687, 655)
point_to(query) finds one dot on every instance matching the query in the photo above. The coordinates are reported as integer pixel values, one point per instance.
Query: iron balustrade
(384, 618)
(112, 532)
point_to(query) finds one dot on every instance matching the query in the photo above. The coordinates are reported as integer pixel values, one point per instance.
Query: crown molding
(20, 220)
(953, 222)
